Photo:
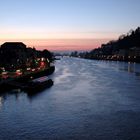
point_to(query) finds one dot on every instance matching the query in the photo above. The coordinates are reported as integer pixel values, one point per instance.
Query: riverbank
(115, 58)
(18, 82)
(135, 59)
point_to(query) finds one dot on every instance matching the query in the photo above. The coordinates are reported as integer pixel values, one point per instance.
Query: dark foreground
(90, 100)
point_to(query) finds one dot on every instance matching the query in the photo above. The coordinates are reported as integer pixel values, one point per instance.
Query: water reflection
(15, 94)
(35, 95)
(89, 100)
(1, 102)
(130, 67)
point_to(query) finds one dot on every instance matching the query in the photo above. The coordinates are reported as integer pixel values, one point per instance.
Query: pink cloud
(63, 44)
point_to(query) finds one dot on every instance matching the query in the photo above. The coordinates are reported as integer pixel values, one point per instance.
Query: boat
(37, 74)
(28, 83)
(38, 84)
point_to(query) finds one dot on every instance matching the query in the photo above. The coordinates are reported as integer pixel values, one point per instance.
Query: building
(12, 54)
(135, 52)
(15, 55)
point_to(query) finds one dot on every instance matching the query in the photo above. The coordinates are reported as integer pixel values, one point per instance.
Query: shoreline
(115, 59)
(6, 86)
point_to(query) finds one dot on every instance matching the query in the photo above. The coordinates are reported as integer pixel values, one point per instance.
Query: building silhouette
(16, 55)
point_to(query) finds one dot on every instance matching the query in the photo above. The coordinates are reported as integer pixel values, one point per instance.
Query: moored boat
(39, 84)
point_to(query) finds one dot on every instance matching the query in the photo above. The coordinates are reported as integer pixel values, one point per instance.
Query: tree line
(125, 48)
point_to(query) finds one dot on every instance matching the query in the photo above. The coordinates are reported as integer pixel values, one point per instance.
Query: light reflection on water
(89, 100)
(130, 67)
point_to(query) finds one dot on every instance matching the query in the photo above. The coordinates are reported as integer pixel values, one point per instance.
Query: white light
(48, 60)
(28, 68)
(42, 59)
(33, 69)
(18, 70)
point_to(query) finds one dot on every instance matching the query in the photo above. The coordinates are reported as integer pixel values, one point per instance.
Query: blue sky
(64, 19)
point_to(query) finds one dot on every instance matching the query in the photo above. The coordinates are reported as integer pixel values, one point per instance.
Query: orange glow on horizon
(61, 44)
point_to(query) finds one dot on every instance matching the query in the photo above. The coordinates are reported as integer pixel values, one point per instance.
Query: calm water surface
(95, 100)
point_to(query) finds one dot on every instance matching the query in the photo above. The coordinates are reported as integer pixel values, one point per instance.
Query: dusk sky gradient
(67, 24)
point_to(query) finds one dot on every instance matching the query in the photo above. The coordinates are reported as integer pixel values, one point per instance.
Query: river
(90, 100)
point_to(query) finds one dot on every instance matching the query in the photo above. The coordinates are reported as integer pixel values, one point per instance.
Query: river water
(90, 100)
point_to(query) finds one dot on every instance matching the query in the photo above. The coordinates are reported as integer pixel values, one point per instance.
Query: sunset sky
(67, 24)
